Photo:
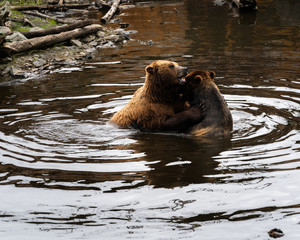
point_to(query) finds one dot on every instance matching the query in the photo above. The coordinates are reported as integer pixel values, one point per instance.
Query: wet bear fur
(157, 106)
(201, 88)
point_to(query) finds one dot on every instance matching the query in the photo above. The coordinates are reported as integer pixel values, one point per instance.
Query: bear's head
(198, 83)
(200, 78)
(165, 73)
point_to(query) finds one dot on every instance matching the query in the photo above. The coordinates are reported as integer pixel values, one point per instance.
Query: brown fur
(200, 88)
(153, 105)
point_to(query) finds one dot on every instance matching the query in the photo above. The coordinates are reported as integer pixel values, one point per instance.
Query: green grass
(27, 2)
(17, 14)
(38, 22)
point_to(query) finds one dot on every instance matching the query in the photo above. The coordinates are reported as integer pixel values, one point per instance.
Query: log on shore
(41, 15)
(25, 21)
(50, 7)
(111, 12)
(56, 30)
(46, 41)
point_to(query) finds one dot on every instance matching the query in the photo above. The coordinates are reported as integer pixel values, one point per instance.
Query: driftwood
(56, 30)
(49, 7)
(49, 40)
(25, 21)
(41, 15)
(111, 12)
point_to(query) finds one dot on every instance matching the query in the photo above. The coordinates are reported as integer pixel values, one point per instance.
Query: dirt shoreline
(72, 53)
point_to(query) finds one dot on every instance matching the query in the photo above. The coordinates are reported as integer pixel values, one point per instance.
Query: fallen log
(111, 12)
(25, 21)
(56, 30)
(49, 40)
(49, 7)
(41, 15)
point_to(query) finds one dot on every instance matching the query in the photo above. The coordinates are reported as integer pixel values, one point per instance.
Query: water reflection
(65, 173)
(192, 164)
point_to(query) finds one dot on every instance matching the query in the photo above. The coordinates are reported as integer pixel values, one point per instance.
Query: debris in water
(276, 233)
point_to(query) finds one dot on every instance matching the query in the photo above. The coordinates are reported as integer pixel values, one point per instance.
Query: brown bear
(157, 105)
(201, 88)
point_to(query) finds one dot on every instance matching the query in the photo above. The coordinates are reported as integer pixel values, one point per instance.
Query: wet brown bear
(157, 106)
(200, 88)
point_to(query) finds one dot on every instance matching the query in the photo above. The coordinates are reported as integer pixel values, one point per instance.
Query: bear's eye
(172, 66)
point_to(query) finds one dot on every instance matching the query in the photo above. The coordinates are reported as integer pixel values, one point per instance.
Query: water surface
(66, 174)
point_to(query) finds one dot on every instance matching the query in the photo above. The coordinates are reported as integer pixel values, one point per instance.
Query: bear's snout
(182, 72)
(185, 71)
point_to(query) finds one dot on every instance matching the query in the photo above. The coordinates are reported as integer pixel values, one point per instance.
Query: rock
(150, 42)
(76, 43)
(15, 37)
(39, 62)
(131, 32)
(35, 29)
(115, 20)
(276, 233)
(91, 50)
(108, 45)
(114, 38)
(69, 62)
(10, 24)
(123, 33)
(100, 34)
(4, 30)
(93, 44)
(6, 71)
(89, 38)
(124, 25)
(16, 72)
(82, 54)
(98, 4)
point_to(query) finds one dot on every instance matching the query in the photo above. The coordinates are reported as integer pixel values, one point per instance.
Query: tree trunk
(111, 12)
(46, 41)
(56, 30)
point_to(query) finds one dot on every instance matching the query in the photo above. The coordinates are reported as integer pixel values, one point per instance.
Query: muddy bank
(70, 53)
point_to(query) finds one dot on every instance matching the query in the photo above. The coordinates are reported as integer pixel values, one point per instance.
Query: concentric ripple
(65, 173)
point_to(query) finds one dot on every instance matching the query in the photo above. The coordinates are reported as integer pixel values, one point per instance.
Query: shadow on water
(181, 160)
(66, 174)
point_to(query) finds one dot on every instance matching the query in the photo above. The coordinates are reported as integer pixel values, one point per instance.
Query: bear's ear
(198, 79)
(212, 75)
(150, 69)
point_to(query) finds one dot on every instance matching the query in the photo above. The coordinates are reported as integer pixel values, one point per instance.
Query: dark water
(66, 174)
